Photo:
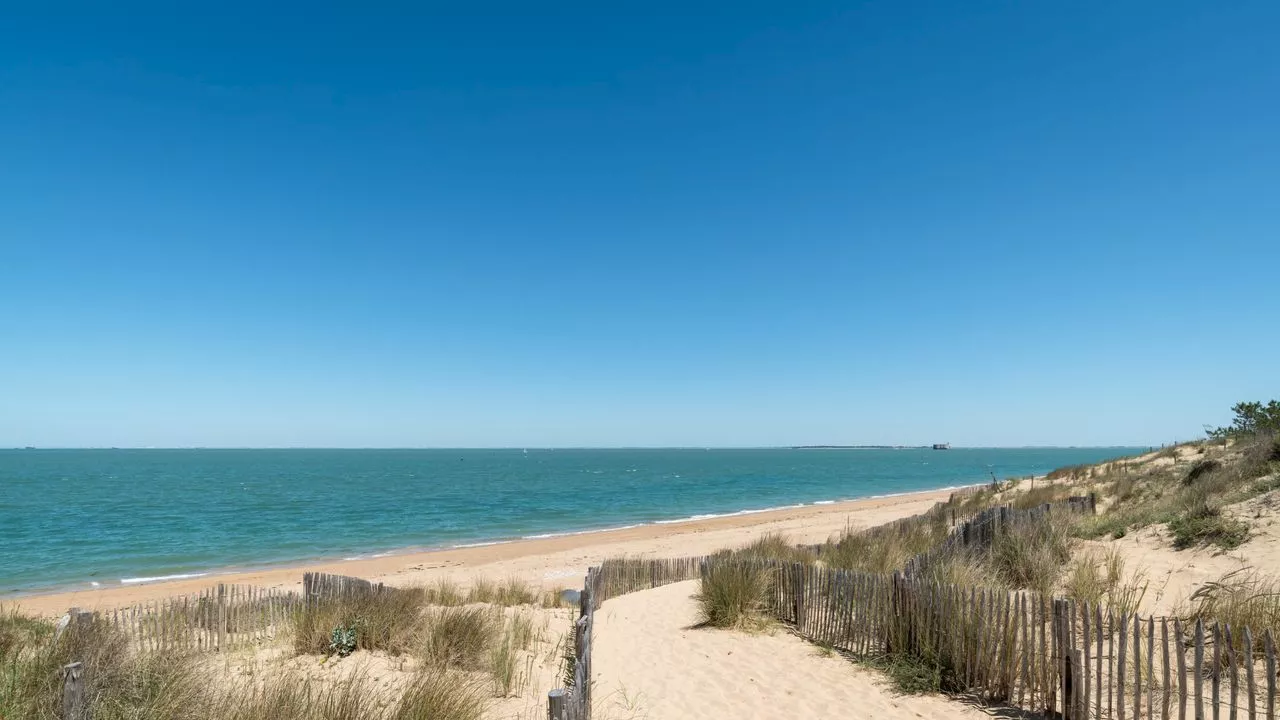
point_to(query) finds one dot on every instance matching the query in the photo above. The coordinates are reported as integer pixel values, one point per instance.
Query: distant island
(860, 447)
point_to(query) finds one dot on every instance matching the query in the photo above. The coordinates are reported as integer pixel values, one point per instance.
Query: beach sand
(650, 663)
(555, 562)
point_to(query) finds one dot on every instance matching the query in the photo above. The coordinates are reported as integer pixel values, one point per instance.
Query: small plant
(437, 694)
(911, 675)
(344, 639)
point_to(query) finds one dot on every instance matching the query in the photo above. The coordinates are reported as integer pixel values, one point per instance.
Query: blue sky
(636, 224)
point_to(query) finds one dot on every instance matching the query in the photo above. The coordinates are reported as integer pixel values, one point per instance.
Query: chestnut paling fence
(1022, 649)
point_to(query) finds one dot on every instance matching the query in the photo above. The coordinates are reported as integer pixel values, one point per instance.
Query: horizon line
(29, 448)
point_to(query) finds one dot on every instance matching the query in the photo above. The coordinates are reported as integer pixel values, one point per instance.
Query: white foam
(712, 516)
(479, 544)
(824, 502)
(544, 536)
(160, 578)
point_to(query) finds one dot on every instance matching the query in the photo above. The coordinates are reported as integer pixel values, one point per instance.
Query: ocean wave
(161, 578)
(737, 513)
(487, 543)
(544, 536)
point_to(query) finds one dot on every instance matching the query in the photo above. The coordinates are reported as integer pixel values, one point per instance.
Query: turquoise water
(77, 517)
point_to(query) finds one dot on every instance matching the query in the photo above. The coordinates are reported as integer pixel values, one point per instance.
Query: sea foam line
(161, 578)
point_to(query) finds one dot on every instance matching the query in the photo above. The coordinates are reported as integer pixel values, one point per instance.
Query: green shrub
(1200, 469)
(1203, 524)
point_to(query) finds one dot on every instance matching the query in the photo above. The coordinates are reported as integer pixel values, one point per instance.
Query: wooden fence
(981, 530)
(611, 579)
(1058, 657)
(217, 618)
(323, 586)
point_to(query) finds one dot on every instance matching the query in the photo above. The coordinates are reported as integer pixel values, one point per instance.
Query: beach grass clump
(483, 590)
(883, 549)
(436, 694)
(1031, 554)
(1036, 496)
(19, 631)
(387, 620)
(1100, 579)
(911, 674)
(514, 591)
(553, 598)
(154, 686)
(461, 636)
(287, 696)
(774, 546)
(1241, 598)
(1202, 524)
(31, 673)
(733, 594)
(509, 666)
(444, 591)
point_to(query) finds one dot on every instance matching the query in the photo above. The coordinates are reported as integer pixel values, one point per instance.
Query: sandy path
(550, 562)
(650, 664)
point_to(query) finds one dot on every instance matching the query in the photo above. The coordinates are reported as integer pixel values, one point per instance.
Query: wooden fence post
(74, 703)
(555, 704)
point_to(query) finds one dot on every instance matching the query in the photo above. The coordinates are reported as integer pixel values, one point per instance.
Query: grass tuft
(1203, 524)
(733, 595)
(383, 621)
(461, 636)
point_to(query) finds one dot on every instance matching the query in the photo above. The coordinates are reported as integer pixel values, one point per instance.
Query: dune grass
(386, 621)
(1241, 598)
(733, 594)
(460, 636)
(1031, 554)
(1100, 579)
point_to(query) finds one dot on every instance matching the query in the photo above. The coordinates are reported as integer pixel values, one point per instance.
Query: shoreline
(211, 574)
(531, 558)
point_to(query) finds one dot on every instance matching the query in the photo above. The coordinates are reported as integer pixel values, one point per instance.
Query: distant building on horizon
(942, 446)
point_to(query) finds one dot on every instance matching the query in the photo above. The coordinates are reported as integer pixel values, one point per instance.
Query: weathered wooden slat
(1215, 678)
(1199, 670)
(1121, 698)
(1269, 647)
(1151, 654)
(1230, 651)
(1250, 685)
(1097, 696)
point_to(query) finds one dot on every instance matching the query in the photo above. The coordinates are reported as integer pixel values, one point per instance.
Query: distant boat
(942, 446)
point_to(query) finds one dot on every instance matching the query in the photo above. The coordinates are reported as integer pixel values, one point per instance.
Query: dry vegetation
(454, 657)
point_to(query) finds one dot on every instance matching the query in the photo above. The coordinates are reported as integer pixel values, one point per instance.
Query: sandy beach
(550, 562)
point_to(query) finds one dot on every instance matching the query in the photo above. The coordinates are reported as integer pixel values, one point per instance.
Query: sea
(73, 519)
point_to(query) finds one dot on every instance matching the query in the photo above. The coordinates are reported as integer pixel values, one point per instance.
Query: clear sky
(555, 224)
